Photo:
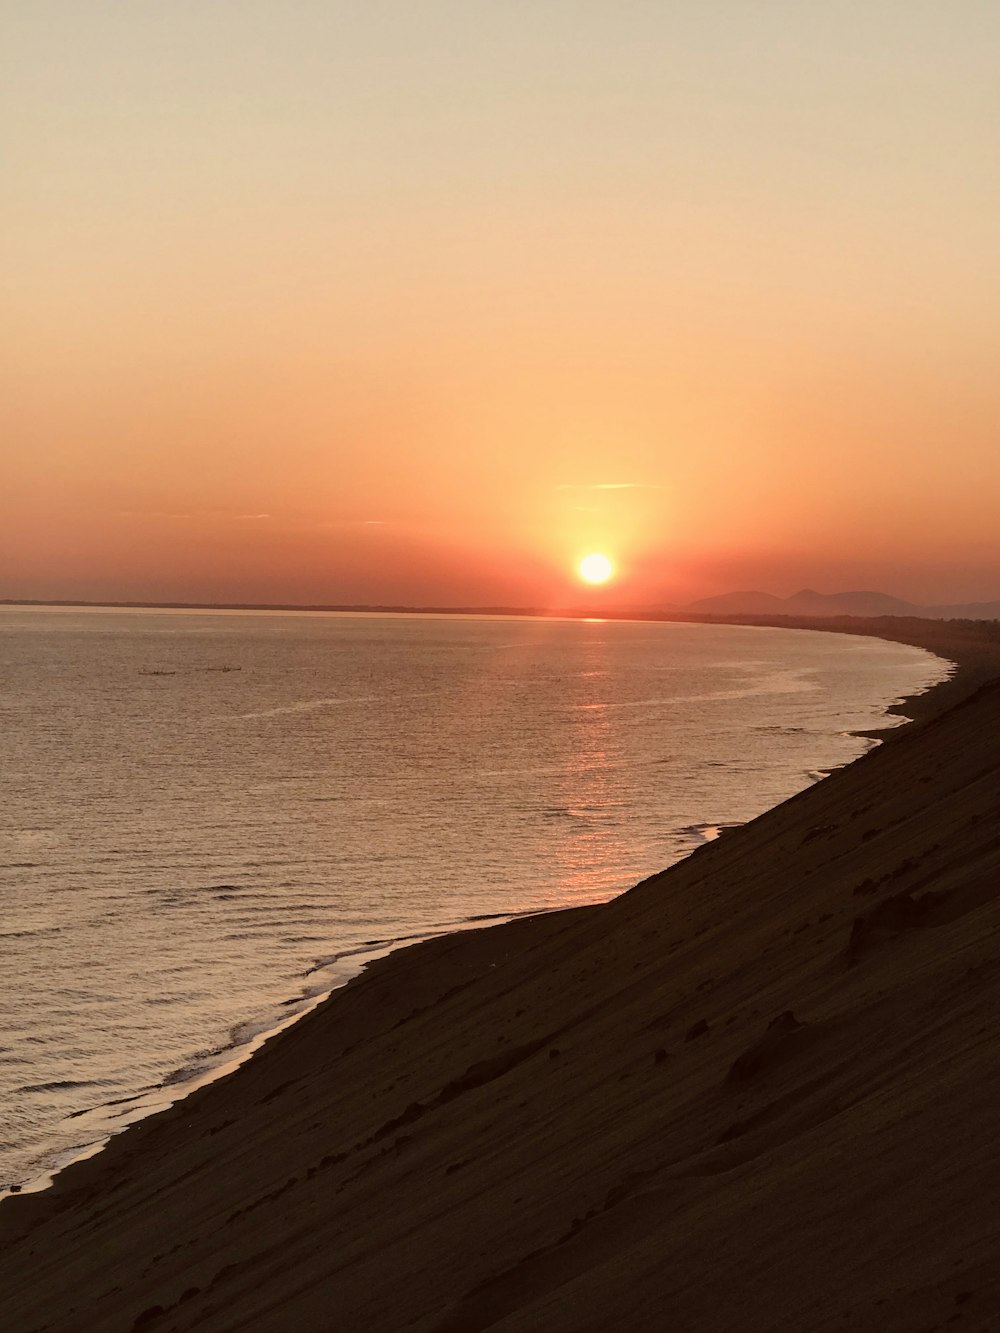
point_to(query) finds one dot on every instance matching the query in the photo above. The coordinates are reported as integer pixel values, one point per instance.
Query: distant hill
(808, 602)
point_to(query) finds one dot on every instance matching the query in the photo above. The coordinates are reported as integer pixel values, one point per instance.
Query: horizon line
(666, 612)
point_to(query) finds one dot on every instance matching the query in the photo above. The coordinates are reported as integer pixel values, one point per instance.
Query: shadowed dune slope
(758, 1091)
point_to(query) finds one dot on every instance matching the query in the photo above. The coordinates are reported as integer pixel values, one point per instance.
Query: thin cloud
(197, 513)
(149, 513)
(354, 523)
(608, 486)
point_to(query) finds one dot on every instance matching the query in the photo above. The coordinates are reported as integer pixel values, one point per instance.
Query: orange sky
(396, 302)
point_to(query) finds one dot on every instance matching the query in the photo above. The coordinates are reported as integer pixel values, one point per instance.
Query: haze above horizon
(344, 303)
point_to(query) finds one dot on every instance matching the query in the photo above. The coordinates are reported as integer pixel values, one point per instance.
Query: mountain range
(811, 603)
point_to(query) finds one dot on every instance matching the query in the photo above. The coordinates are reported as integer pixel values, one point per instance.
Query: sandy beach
(757, 1091)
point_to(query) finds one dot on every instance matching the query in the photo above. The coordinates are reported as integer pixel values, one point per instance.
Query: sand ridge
(757, 1091)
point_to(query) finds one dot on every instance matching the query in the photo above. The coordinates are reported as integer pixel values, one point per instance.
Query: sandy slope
(759, 1091)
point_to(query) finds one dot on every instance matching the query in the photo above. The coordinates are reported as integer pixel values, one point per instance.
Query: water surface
(209, 817)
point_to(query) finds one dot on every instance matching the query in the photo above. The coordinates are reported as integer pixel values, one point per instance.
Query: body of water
(208, 819)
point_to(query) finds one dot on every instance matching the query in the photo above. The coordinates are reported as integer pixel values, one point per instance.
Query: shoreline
(224, 1062)
(104, 1121)
(470, 1005)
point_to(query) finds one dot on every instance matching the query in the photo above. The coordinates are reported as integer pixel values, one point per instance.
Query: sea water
(207, 820)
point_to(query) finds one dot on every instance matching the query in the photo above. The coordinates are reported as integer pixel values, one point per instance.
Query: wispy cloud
(354, 523)
(608, 486)
(149, 513)
(197, 513)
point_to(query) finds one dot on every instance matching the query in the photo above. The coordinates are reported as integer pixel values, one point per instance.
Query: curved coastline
(106, 1120)
(100, 1121)
(452, 996)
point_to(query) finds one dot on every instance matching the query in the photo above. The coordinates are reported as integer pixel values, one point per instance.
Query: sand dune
(758, 1091)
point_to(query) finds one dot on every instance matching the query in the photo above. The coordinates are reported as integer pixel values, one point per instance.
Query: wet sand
(758, 1091)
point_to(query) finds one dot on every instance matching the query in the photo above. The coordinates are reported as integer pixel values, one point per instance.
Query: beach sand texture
(758, 1091)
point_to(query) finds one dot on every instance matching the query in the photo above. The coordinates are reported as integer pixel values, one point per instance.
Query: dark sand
(759, 1091)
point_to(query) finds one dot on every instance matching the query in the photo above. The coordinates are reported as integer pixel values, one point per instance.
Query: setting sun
(595, 568)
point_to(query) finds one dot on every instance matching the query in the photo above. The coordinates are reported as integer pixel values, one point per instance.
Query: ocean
(211, 819)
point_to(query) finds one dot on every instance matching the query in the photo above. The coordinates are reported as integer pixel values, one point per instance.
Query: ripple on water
(190, 865)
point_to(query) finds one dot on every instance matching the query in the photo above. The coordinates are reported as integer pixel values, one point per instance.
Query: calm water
(208, 819)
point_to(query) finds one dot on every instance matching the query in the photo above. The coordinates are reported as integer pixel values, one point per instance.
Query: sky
(420, 301)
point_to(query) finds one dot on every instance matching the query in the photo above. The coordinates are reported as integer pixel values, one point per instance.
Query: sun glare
(595, 568)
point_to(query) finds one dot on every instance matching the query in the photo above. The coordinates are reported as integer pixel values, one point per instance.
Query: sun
(595, 568)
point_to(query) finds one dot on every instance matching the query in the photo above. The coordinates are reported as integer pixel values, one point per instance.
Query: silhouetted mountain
(808, 602)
